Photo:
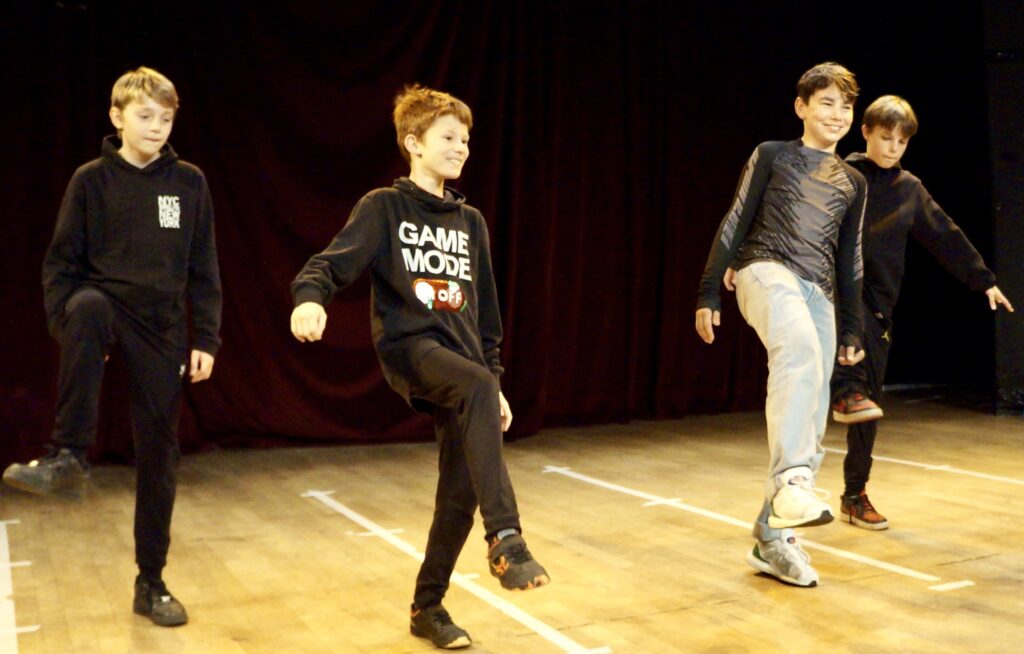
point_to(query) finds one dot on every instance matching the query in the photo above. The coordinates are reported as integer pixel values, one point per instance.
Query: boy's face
(442, 150)
(145, 125)
(827, 118)
(885, 146)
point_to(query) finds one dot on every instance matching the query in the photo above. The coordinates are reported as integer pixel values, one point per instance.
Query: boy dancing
(793, 235)
(898, 206)
(134, 240)
(436, 328)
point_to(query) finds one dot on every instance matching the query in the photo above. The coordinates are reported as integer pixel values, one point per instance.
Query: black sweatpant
(93, 326)
(472, 472)
(865, 377)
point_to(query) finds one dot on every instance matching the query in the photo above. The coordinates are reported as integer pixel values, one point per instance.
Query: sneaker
(855, 407)
(153, 600)
(60, 472)
(435, 624)
(514, 566)
(798, 504)
(784, 559)
(857, 510)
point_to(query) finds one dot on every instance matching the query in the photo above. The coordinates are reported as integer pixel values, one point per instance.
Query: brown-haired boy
(793, 234)
(899, 207)
(134, 241)
(436, 328)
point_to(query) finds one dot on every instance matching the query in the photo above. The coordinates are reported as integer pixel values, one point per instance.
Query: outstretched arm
(996, 297)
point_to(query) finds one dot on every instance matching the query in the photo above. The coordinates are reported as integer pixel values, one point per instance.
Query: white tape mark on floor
(940, 467)
(654, 500)
(952, 585)
(465, 582)
(9, 629)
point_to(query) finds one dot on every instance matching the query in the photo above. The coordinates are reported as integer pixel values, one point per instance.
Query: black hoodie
(431, 279)
(898, 206)
(144, 236)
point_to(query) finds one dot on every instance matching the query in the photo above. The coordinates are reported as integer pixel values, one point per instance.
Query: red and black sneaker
(857, 510)
(855, 407)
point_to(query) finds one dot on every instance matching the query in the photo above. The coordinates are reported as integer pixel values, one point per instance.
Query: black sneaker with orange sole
(511, 562)
(434, 624)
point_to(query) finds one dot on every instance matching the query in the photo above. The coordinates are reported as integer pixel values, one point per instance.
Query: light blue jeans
(796, 322)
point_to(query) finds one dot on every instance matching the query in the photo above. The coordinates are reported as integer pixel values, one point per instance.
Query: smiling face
(827, 117)
(144, 125)
(885, 146)
(439, 154)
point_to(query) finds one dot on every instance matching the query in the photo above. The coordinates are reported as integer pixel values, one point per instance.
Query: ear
(115, 117)
(412, 144)
(800, 107)
(865, 130)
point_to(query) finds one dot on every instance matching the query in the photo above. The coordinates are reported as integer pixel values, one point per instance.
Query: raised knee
(87, 303)
(482, 381)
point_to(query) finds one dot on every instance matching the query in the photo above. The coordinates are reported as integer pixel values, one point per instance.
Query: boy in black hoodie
(134, 241)
(898, 206)
(436, 328)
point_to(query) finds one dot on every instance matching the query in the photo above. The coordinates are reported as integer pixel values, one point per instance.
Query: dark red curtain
(607, 142)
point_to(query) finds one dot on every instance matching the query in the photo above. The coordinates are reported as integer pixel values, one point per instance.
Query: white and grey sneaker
(799, 504)
(784, 559)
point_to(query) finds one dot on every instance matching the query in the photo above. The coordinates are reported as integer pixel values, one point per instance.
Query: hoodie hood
(861, 161)
(452, 199)
(112, 143)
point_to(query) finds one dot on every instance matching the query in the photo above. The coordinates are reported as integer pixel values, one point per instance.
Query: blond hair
(140, 82)
(417, 107)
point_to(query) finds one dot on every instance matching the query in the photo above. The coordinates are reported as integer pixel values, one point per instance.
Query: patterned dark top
(802, 208)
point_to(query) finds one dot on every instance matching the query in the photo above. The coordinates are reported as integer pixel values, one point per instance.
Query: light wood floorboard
(263, 569)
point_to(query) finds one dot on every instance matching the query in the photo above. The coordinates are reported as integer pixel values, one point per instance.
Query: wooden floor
(265, 568)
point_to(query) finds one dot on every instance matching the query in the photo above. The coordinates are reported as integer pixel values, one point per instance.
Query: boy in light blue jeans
(793, 235)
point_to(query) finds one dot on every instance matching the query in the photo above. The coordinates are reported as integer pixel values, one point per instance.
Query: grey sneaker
(58, 473)
(784, 559)
(797, 502)
(435, 624)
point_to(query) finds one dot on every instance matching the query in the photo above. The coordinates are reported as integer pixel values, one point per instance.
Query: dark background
(608, 140)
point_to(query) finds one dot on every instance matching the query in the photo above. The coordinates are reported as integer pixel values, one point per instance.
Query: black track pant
(93, 326)
(866, 377)
(472, 469)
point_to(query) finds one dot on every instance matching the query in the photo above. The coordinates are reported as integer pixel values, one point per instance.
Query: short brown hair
(825, 75)
(891, 112)
(417, 107)
(143, 81)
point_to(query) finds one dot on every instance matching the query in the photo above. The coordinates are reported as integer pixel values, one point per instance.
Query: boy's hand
(996, 297)
(201, 366)
(506, 412)
(706, 322)
(308, 322)
(849, 355)
(729, 279)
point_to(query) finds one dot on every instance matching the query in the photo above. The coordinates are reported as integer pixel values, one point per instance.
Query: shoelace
(517, 554)
(441, 617)
(821, 493)
(867, 504)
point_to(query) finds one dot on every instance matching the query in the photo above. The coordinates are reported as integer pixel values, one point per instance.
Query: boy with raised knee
(899, 207)
(134, 243)
(793, 235)
(436, 328)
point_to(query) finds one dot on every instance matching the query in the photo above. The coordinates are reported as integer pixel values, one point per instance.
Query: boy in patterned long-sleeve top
(793, 235)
